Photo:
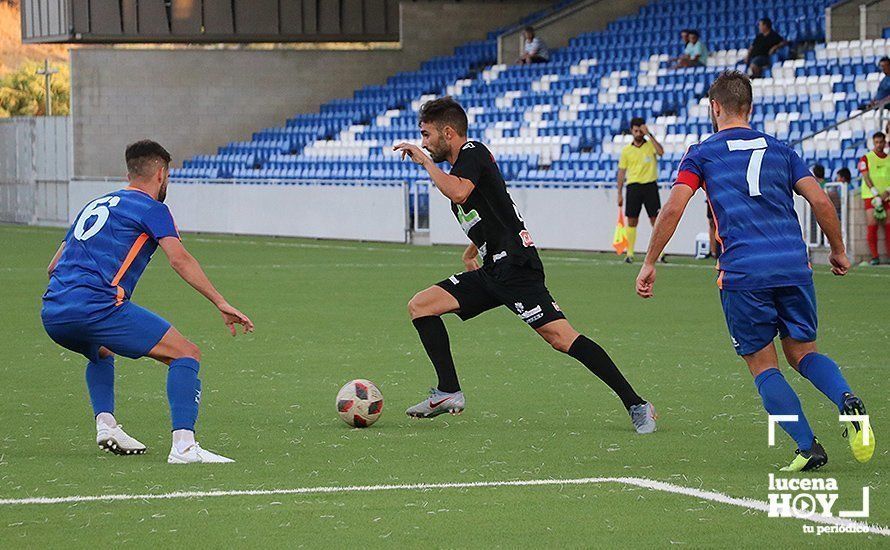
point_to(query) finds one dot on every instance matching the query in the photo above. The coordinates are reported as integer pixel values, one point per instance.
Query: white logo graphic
(519, 307)
(808, 497)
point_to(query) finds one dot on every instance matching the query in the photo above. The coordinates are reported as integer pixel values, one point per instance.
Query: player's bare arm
(455, 188)
(826, 217)
(659, 150)
(52, 263)
(187, 267)
(470, 256)
(665, 226)
(622, 173)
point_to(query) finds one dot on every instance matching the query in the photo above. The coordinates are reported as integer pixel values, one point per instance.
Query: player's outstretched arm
(52, 263)
(665, 225)
(455, 188)
(826, 217)
(191, 272)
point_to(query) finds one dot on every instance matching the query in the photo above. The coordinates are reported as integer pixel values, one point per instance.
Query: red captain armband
(863, 165)
(688, 178)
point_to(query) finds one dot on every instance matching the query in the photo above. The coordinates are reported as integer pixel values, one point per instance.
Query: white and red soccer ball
(359, 403)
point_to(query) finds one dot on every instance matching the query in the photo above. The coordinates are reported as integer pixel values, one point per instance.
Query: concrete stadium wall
(856, 19)
(194, 100)
(355, 212)
(556, 30)
(34, 169)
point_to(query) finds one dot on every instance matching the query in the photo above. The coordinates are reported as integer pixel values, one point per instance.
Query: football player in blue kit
(87, 307)
(765, 278)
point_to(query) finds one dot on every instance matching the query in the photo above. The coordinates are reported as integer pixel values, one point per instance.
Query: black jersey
(489, 217)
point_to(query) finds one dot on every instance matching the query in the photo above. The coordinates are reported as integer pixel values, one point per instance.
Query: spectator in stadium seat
(883, 93)
(765, 44)
(534, 50)
(684, 36)
(875, 170)
(695, 54)
(843, 175)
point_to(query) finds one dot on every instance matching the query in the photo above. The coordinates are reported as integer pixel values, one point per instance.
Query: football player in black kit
(511, 274)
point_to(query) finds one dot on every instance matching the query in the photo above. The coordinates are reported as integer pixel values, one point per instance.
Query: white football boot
(115, 440)
(195, 455)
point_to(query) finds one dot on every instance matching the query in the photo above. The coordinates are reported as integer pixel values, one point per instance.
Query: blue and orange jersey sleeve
(158, 223)
(689, 173)
(799, 169)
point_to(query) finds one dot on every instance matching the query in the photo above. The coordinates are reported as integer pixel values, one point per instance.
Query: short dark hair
(818, 170)
(637, 121)
(766, 21)
(732, 90)
(695, 32)
(884, 59)
(529, 28)
(444, 111)
(143, 156)
(878, 134)
(844, 173)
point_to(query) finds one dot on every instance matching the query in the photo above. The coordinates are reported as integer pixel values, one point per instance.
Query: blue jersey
(749, 179)
(106, 250)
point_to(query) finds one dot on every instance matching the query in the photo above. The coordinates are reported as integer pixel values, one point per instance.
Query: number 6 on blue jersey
(758, 149)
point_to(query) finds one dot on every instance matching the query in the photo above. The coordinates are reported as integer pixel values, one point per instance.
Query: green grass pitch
(327, 312)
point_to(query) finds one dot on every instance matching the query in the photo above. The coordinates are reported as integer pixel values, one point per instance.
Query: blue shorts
(754, 317)
(129, 330)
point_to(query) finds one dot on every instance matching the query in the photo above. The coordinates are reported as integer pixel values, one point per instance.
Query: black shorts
(639, 194)
(519, 288)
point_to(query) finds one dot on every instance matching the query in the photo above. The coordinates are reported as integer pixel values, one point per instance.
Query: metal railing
(839, 194)
(883, 107)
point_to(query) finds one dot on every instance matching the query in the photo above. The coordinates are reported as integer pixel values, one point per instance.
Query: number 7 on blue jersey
(758, 149)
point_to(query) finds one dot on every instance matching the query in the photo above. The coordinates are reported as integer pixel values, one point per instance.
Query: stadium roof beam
(209, 21)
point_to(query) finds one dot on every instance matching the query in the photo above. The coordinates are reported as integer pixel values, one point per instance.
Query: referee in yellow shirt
(638, 166)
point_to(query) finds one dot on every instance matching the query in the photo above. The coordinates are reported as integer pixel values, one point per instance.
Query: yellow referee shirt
(641, 163)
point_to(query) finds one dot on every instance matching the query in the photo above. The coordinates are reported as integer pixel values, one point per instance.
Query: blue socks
(780, 399)
(826, 376)
(100, 383)
(183, 392)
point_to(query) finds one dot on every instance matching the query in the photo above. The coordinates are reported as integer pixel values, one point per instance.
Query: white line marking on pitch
(712, 496)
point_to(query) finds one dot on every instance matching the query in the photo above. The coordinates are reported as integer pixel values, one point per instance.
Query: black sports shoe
(805, 461)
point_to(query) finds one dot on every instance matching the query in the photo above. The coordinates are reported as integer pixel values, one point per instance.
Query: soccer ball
(359, 403)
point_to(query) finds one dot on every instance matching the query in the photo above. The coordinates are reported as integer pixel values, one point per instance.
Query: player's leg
(797, 328)
(426, 309)
(780, 399)
(753, 320)
(632, 209)
(82, 338)
(560, 334)
(99, 376)
(464, 294)
(183, 360)
(871, 229)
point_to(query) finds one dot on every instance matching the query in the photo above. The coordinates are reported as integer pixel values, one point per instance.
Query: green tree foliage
(22, 91)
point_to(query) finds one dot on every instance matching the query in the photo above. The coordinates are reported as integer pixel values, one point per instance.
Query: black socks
(435, 340)
(599, 363)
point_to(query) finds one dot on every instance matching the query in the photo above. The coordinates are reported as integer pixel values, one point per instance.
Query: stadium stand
(566, 120)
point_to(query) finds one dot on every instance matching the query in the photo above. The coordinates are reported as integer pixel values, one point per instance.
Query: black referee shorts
(519, 288)
(639, 194)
